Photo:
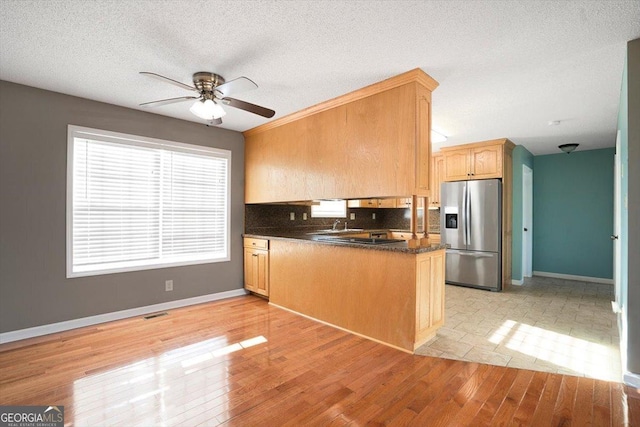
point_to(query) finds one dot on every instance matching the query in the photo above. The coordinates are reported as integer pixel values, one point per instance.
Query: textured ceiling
(505, 68)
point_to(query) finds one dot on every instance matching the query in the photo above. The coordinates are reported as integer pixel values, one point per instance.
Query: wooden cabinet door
(436, 297)
(250, 270)
(404, 202)
(256, 271)
(486, 162)
(437, 177)
(386, 203)
(423, 140)
(456, 165)
(429, 295)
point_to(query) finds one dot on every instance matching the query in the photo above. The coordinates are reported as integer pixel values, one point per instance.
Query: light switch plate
(292, 216)
(373, 216)
(304, 216)
(352, 216)
(168, 285)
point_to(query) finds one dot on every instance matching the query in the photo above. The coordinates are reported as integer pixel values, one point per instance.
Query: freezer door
(452, 214)
(483, 208)
(477, 269)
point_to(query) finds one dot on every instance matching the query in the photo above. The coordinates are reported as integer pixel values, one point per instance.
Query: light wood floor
(548, 324)
(207, 365)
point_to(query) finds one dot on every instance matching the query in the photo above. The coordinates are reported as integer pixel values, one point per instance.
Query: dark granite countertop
(324, 238)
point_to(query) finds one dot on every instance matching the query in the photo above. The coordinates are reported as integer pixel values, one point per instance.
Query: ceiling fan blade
(241, 84)
(168, 101)
(215, 122)
(247, 106)
(168, 80)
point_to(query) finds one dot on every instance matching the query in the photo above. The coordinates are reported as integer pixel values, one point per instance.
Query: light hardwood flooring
(241, 362)
(550, 325)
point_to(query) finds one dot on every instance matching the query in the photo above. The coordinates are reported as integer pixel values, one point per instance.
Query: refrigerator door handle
(471, 254)
(467, 215)
(463, 216)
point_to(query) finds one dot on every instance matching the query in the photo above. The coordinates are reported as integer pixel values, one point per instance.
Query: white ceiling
(505, 68)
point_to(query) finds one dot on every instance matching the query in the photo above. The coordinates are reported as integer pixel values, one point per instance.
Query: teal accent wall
(573, 213)
(521, 156)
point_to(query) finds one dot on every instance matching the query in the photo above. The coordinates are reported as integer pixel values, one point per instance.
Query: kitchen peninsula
(371, 143)
(390, 293)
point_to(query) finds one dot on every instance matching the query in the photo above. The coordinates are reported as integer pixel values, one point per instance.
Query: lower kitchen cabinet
(256, 266)
(337, 285)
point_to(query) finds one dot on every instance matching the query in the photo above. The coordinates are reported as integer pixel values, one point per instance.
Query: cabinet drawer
(400, 235)
(250, 242)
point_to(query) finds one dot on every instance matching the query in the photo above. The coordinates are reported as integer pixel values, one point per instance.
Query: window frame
(75, 131)
(329, 213)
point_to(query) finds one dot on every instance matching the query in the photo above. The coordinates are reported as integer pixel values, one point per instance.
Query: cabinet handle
(254, 254)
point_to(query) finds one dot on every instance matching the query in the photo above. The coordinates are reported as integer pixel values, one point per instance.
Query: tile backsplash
(434, 220)
(263, 216)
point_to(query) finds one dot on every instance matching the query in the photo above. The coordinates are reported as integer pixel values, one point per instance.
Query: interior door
(617, 220)
(527, 221)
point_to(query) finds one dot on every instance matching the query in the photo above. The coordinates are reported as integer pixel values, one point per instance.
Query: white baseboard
(631, 379)
(572, 277)
(109, 317)
(517, 282)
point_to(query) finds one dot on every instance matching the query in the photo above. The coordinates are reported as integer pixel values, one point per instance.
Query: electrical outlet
(352, 216)
(373, 215)
(168, 285)
(292, 216)
(304, 216)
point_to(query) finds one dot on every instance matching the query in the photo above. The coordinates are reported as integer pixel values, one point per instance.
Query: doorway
(527, 221)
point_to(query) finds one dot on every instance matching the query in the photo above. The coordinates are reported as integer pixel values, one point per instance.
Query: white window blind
(137, 203)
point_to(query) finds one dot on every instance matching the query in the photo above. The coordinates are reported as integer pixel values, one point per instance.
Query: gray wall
(33, 159)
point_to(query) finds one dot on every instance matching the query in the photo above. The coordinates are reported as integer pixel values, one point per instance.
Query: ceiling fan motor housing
(206, 83)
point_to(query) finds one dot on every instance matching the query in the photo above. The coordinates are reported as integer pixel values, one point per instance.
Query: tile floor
(547, 324)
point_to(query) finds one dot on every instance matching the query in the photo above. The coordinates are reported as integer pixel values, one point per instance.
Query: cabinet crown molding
(415, 75)
(503, 141)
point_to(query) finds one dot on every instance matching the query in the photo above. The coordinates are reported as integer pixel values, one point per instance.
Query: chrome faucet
(335, 224)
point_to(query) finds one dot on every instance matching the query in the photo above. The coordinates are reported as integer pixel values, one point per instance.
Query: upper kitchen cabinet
(373, 203)
(437, 178)
(373, 142)
(481, 160)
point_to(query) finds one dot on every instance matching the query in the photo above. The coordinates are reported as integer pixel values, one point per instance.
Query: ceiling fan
(214, 91)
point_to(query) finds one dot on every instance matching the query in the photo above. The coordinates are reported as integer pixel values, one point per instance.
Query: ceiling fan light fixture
(207, 109)
(217, 110)
(568, 148)
(199, 109)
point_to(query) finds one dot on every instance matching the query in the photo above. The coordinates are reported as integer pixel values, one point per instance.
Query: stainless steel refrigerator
(470, 224)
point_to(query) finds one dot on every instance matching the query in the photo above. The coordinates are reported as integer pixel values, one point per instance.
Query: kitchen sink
(359, 240)
(340, 230)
